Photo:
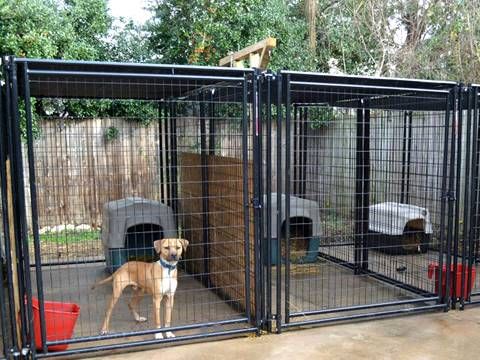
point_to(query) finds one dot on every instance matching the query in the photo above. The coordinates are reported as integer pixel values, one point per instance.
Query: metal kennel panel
(376, 160)
(168, 141)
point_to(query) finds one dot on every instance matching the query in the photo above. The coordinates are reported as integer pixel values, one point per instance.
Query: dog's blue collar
(167, 265)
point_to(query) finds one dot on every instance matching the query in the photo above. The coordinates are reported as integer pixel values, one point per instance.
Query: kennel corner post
(457, 189)
(257, 201)
(466, 225)
(448, 198)
(18, 225)
(278, 295)
(287, 195)
(34, 208)
(473, 228)
(246, 195)
(268, 205)
(8, 214)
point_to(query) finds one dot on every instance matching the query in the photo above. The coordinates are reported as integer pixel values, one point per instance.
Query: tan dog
(158, 279)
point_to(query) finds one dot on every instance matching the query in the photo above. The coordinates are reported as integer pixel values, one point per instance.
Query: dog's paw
(158, 336)
(170, 334)
(140, 319)
(103, 332)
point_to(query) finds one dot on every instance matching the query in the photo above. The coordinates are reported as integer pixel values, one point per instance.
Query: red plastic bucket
(457, 292)
(60, 319)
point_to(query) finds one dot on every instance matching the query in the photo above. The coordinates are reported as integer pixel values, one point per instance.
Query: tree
(202, 32)
(50, 29)
(130, 43)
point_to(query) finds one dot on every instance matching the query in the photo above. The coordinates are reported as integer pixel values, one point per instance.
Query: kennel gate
(193, 153)
(356, 146)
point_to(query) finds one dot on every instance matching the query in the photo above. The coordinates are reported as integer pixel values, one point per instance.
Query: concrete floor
(452, 335)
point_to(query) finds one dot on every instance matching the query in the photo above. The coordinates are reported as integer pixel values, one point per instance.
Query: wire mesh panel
(137, 176)
(363, 201)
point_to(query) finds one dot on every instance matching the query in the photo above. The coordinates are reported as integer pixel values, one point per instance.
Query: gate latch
(256, 203)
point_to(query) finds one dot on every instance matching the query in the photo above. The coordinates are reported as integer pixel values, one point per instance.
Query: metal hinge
(450, 196)
(25, 352)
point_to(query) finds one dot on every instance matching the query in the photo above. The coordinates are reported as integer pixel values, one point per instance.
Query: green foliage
(202, 32)
(320, 117)
(130, 44)
(49, 29)
(111, 133)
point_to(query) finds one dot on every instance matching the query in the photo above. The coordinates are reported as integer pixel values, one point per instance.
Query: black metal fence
(305, 198)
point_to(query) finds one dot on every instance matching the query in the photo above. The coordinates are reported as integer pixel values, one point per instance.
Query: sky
(129, 9)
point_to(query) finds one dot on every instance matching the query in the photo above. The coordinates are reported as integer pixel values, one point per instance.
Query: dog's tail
(101, 282)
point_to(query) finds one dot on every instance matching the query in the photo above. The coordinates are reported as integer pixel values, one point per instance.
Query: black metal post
(246, 203)
(260, 205)
(6, 335)
(34, 208)
(279, 206)
(287, 198)
(268, 209)
(466, 211)
(451, 199)
(20, 215)
(12, 112)
(257, 194)
(473, 233)
(205, 196)
(457, 191)
(6, 150)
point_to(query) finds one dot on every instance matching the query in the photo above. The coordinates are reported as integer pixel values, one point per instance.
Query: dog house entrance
(139, 241)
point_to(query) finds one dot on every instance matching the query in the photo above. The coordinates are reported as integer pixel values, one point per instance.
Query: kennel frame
(22, 77)
(390, 92)
(265, 92)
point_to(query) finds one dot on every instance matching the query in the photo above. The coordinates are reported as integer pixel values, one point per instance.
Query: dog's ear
(184, 244)
(157, 245)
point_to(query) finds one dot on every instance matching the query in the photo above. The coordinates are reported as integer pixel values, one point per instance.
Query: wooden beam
(262, 48)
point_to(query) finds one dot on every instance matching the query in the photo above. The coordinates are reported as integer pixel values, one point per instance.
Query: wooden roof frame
(258, 54)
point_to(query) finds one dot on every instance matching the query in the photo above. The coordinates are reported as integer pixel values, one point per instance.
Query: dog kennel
(306, 198)
(157, 151)
(372, 157)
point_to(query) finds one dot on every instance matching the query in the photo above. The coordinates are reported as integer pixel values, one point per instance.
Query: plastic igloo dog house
(396, 228)
(304, 223)
(130, 226)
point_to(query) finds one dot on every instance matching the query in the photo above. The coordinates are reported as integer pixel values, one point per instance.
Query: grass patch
(69, 236)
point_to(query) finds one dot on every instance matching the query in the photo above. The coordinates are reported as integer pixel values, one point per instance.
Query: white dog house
(130, 226)
(399, 228)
